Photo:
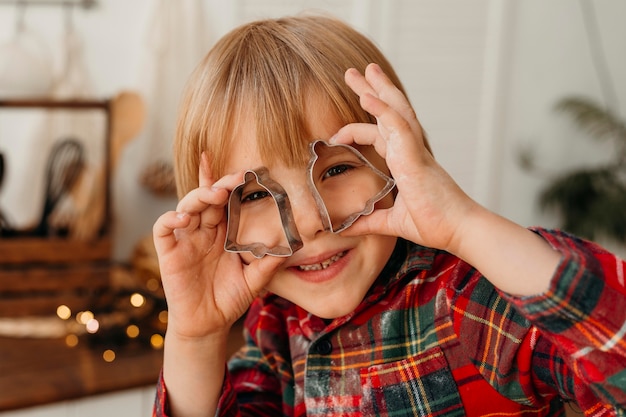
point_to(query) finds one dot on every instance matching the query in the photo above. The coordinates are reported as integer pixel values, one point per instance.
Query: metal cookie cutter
(258, 249)
(368, 208)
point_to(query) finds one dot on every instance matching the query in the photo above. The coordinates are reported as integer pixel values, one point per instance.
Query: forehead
(247, 150)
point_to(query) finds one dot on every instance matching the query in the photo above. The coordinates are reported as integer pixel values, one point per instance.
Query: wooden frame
(39, 273)
(21, 250)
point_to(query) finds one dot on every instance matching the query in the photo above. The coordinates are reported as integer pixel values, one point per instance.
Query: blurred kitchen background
(523, 102)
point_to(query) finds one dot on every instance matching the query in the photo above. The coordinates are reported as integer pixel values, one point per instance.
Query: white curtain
(175, 41)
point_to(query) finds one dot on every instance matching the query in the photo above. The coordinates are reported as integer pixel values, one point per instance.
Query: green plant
(591, 202)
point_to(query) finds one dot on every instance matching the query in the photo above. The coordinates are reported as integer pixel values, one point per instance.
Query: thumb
(374, 223)
(261, 272)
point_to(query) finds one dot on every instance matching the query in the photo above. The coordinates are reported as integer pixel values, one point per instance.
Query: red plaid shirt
(433, 337)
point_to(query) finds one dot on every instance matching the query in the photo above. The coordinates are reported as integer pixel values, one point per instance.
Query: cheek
(387, 201)
(377, 251)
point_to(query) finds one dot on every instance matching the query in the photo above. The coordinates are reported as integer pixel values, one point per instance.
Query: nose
(304, 209)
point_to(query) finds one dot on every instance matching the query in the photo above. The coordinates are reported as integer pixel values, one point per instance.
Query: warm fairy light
(153, 284)
(137, 300)
(84, 316)
(71, 340)
(108, 355)
(163, 316)
(92, 326)
(132, 331)
(156, 340)
(64, 312)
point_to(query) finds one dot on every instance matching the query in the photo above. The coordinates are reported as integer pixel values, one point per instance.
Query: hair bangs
(277, 82)
(270, 75)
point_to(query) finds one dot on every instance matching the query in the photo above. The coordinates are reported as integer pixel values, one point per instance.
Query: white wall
(482, 75)
(439, 38)
(550, 58)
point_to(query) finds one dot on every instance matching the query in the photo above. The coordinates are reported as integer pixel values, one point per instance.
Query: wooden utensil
(127, 114)
(127, 118)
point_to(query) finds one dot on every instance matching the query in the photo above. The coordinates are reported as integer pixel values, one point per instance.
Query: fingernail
(180, 216)
(333, 139)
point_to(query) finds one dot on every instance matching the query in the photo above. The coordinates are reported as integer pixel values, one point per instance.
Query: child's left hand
(430, 208)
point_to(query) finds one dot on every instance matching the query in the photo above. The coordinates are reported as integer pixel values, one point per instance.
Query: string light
(156, 340)
(71, 340)
(163, 316)
(84, 316)
(108, 355)
(137, 316)
(132, 331)
(153, 284)
(92, 326)
(64, 312)
(137, 300)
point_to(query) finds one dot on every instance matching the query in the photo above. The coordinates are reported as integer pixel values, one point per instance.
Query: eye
(337, 170)
(255, 196)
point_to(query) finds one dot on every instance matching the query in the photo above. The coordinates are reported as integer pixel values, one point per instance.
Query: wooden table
(40, 371)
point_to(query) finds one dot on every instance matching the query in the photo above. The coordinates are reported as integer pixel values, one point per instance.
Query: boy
(430, 305)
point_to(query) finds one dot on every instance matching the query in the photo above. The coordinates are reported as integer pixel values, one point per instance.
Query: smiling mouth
(322, 265)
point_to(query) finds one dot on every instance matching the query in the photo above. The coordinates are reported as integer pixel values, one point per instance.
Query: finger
(205, 206)
(391, 124)
(260, 272)
(229, 181)
(399, 139)
(364, 134)
(387, 91)
(199, 199)
(163, 229)
(374, 223)
(357, 82)
(376, 83)
(359, 133)
(204, 171)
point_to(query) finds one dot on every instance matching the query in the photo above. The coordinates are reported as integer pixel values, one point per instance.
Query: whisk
(65, 163)
(4, 223)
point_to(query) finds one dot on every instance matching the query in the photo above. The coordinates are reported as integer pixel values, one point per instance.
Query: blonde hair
(265, 70)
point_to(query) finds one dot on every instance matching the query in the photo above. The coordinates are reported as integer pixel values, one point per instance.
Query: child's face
(331, 274)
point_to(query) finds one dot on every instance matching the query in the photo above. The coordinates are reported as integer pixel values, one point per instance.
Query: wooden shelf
(29, 250)
(38, 274)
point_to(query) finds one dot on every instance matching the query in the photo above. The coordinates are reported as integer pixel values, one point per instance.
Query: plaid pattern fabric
(434, 337)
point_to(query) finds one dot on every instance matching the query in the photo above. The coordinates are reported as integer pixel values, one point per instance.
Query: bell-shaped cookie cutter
(321, 206)
(258, 249)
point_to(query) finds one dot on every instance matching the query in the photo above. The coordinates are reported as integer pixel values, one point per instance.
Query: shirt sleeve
(256, 383)
(160, 408)
(582, 319)
(260, 372)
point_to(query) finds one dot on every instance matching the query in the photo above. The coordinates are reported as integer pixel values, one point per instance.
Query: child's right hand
(207, 289)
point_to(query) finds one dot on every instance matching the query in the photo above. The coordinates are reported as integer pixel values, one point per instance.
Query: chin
(330, 310)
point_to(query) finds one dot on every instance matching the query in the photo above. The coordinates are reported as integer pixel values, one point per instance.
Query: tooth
(323, 265)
